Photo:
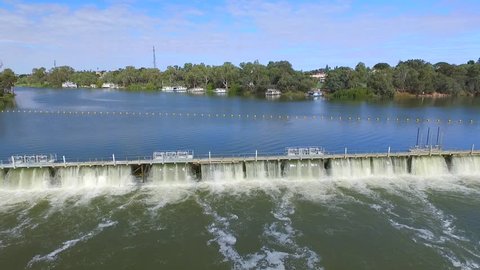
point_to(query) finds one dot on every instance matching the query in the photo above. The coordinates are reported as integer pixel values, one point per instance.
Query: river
(350, 218)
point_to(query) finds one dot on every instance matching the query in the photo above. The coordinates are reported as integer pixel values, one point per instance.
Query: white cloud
(308, 34)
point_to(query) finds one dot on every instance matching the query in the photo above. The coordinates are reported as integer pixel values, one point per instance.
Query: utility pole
(154, 58)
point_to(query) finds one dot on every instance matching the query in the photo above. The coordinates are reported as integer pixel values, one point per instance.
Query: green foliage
(85, 78)
(381, 82)
(59, 75)
(414, 76)
(7, 80)
(353, 94)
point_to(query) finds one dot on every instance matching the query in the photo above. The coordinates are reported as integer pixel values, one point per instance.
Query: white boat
(69, 85)
(315, 93)
(167, 89)
(196, 90)
(179, 89)
(272, 92)
(220, 91)
(110, 85)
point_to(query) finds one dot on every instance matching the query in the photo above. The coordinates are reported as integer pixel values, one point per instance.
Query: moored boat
(273, 92)
(220, 91)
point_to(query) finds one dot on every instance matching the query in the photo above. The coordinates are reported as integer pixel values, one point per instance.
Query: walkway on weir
(220, 160)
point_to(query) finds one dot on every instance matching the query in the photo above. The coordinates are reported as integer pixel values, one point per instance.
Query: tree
(39, 75)
(84, 78)
(254, 77)
(226, 74)
(417, 76)
(472, 83)
(400, 77)
(339, 78)
(381, 82)
(361, 75)
(7, 81)
(59, 75)
(194, 76)
(381, 66)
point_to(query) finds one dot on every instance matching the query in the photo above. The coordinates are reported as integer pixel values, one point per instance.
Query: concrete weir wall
(118, 175)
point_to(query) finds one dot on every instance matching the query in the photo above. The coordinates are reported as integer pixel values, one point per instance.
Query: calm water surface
(77, 136)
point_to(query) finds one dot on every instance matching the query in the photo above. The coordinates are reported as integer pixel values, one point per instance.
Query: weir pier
(297, 165)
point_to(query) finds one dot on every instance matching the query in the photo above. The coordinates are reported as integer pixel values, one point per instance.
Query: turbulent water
(349, 214)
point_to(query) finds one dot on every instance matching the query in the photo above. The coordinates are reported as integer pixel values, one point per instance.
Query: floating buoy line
(245, 116)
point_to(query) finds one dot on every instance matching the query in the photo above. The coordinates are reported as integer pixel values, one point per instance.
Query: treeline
(416, 77)
(250, 77)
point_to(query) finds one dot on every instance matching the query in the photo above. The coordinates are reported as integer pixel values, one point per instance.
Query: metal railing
(188, 156)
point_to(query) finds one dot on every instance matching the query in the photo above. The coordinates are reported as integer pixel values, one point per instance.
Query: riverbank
(7, 101)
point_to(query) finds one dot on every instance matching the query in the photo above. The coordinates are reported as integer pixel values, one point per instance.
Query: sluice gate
(108, 174)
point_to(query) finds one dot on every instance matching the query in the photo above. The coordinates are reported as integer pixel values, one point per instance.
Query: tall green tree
(7, 81)
(381, 82)
(59, 75)
(226, 74)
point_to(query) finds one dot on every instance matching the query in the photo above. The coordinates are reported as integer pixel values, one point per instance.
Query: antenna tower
(154, 58)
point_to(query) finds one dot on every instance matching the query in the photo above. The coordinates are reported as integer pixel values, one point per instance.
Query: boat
(180, 89)
(196, 90)
(167, 89)
(272, 93)
(220, 91)
(69, 85)
(315, 93)
(110, 86)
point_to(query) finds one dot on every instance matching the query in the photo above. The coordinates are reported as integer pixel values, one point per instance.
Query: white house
(321, 76)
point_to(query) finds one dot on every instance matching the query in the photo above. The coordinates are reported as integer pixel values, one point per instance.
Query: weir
(118, 174)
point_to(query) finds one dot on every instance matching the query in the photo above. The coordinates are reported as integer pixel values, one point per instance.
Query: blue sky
(310, 34)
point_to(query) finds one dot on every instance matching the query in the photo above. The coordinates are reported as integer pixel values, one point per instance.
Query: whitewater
(356, 214)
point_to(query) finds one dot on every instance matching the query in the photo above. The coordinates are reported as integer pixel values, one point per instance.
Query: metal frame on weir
(187, 156)
(191, 168)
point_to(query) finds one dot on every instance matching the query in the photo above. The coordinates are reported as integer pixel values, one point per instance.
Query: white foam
(283, 233)
(222, 172)
(429, 166)
(170, 173)
(466, 165)
(280, 232)
(304, 169)
(94, 177)
(158, 196)
(70, 243)
(262, 170)
(26, 179)
(440, 235)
